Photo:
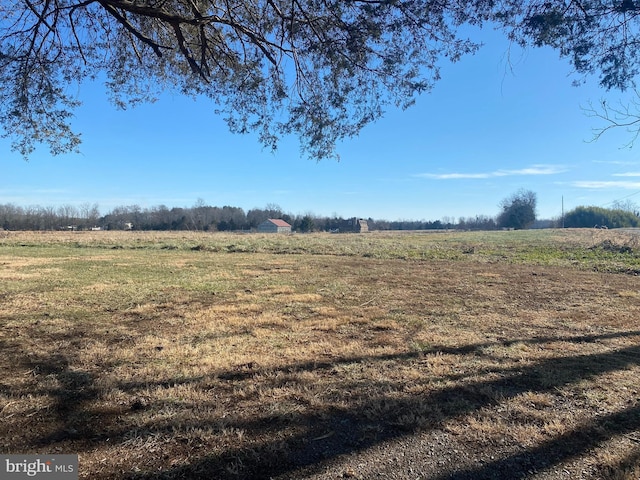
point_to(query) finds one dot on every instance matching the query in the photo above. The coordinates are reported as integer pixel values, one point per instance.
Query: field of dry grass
(191, 355)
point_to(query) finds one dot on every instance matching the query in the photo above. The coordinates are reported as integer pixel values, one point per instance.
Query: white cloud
(627, 174)
(615, 162)
(601, 184)
(33, 191)
(532, 170)
(538, 170)
(450, 176)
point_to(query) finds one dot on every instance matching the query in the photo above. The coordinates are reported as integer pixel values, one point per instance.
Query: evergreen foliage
(518, 211)
(321, 70)
(589, 217)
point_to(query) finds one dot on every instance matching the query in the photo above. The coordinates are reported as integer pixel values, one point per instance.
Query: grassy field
(192, 355)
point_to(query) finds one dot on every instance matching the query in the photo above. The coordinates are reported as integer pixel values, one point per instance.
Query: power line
(620, 199)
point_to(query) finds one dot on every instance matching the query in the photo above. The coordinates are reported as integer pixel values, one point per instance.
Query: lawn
(194, 355)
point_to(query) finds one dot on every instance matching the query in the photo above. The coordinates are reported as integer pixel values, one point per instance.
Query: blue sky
(491, 126)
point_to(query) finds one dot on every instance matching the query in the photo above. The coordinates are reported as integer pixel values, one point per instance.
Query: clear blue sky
(488, 128)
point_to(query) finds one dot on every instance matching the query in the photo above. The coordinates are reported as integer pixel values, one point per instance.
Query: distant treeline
(601, 217)
(202, 217)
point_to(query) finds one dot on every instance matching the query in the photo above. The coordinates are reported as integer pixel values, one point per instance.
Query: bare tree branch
(619, 116)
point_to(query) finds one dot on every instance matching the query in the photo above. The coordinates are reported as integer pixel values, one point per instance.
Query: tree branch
(133, 30)
(621, 116)
(195, 68)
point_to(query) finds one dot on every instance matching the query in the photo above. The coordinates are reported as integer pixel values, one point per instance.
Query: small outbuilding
(274, 225)
(354, 225)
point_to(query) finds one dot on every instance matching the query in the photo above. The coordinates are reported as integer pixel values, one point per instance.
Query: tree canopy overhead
(320, 69)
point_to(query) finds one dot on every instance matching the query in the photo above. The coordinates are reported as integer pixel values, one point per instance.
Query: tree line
(517, 211)
(199, 217)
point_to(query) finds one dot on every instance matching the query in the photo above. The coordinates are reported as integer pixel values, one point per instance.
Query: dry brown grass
(245, 357)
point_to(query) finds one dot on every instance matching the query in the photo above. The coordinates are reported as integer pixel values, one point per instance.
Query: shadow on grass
(250, 370)
(561, 448)
(534, 341)
(326, 435)
(71, 390)
(352, 432)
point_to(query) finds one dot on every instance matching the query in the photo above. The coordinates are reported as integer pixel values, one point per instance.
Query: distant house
(273, 225)
(362, 225)
(354, 225)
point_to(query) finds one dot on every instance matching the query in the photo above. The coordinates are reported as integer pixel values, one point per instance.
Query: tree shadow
(250, 370)
(70, 389)
(323, 436)
(628, 466)
(472, 348)
(343, 431)
(558, 449)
